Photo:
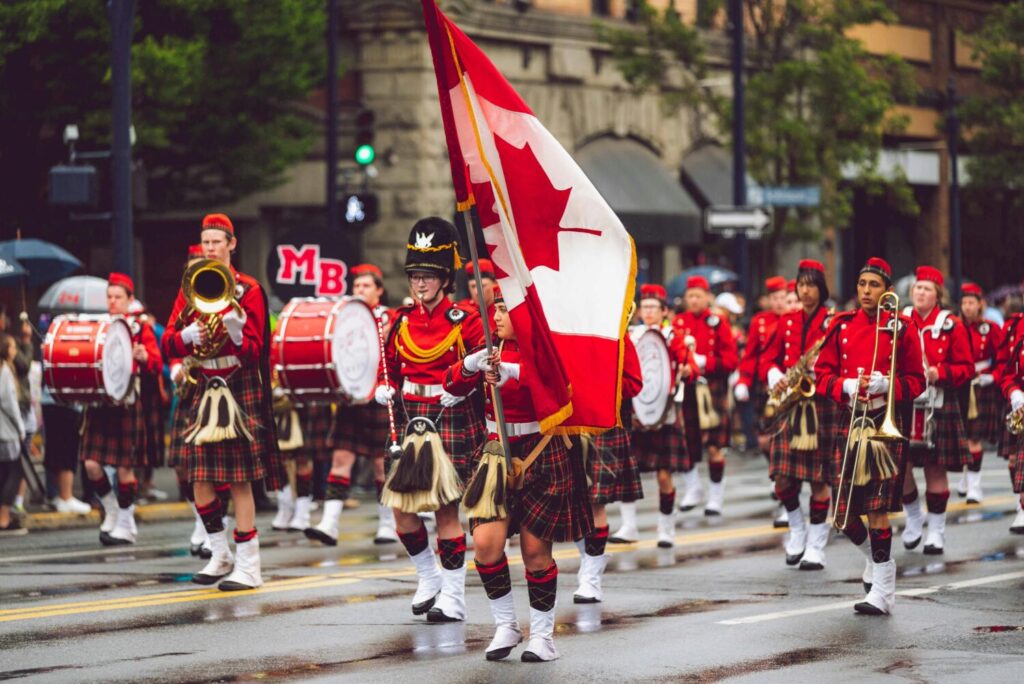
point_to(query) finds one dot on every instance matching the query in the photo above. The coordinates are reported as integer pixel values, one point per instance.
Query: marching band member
(803, 441)
(316, 421)
(854, 372)
(950, 365)
(983, 406)
(1010, 376)
(704, 410)
(116, 435)
(615, 476)
(489, 280)
(359, 430)
(663, 450)
(240, 447)
(550, 505)
(427, 338)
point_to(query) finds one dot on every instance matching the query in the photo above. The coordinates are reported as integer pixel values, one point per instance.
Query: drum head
(117, 360)
(355, 351)
(656, 367)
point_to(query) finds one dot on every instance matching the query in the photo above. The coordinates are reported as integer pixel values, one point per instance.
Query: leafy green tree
(216, 89)
(817, 101)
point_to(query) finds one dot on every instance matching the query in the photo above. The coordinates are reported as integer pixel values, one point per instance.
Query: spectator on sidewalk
(12, 434)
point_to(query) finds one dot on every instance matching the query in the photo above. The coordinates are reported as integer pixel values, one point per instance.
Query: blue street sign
(806, 196)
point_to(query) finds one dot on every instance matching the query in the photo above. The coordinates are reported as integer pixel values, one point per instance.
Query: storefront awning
(646, 196)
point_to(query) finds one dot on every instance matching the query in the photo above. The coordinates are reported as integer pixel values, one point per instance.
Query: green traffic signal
(365, 154)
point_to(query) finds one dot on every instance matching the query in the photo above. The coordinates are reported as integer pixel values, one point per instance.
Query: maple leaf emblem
(424, 241)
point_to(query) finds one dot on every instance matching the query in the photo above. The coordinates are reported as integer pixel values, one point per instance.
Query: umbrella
(44, 261)
(715, 275)
(77, 294)
(11, 272)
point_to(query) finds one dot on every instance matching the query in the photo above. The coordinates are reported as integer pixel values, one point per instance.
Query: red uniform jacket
(714, 340)
(515, 397)
(414, 347)
(795, 334)
(986, 338)
(253, 341)
(851, 346)
(762, 330)
(632, 375)
(1010, 364)
(948, 349)
(142, 333)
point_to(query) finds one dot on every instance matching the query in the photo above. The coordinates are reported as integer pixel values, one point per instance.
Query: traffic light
(365, 154)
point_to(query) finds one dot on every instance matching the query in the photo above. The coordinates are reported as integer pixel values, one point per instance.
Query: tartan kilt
(1017, 462)
(950, 439)
(759, 395)
(461, 428)
(154, 417)
(662, 449)
(988, 426)
(554, 502)
(114, 436)
(236, 460)
(317, 422)
(614, 475)
(806, 466)
(1007, 445)
(883, 495)
(720, 435)
(361, 429)
(179, 423)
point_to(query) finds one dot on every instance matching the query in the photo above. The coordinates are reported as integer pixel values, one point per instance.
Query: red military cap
(931, 274)
(366, 269)
(971, 290)
(791, 286)
(878, 267)
(220, 221)
(811, 265)
(498, 297)
(775, 284)
(122, 280)
(486, 269)
(195, 251)
(698, 282)
(653, 291)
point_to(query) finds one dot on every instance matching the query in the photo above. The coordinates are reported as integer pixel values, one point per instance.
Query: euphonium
(209, 290)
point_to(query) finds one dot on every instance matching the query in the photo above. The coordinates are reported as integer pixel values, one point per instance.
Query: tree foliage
(817, 103)
(215, 84)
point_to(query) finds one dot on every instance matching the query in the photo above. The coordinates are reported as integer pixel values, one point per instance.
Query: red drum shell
(88, 360)
(650, 407)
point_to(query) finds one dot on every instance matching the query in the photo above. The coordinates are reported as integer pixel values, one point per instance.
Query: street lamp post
(739, 146)
(122, 16)
(953, 133)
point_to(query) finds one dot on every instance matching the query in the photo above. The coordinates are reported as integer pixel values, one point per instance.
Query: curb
(51, 520)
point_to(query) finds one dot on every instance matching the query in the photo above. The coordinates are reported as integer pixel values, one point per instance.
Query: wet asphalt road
(721, 605)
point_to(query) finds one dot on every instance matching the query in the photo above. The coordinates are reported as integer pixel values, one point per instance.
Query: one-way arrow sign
(731, 220)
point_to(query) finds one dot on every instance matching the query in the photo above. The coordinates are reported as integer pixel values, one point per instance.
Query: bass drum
(326, 350)
(652, 407)
(88, 360)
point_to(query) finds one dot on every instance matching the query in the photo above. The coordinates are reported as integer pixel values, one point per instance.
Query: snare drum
(88, 360)
(327, 349)
(652, 407)
(922, 425)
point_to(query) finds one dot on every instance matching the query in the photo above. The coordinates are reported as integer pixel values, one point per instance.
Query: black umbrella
(45, 262)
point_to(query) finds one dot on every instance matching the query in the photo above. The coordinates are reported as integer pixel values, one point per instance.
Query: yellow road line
(339, 579)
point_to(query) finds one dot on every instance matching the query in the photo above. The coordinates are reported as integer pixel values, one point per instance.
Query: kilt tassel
(804, 426)
(423, 479)
(219, 418)
(708, 416)
(485, 495)
(972, 405)
(873, 458)
(289, 430)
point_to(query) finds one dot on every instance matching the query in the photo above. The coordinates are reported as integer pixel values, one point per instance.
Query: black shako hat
(433, 246)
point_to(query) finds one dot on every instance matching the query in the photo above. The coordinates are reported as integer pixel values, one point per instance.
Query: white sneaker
(1017, 526)
(300, 518)
(716, 498)
(541, 646)
(247, 573)
(936, 539)
(693, 492)
(814, 554)
(666, 530)
(429, 585)
(974, 493)
(109, 504)
(881, 600)
(221, 561)
(913, 527)
(507, 634)
(627, 532)
(326, 531)
(124, 529)
(961, 485)
(387, 533)
(71, 505)
(285, 509)
(450, 606)
(589, 578)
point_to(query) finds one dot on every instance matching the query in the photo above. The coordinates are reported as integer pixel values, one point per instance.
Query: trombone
(862, 428)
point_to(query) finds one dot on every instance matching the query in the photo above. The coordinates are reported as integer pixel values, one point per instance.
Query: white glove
(279, 392)
(985, 379)
(449, 400)
(775, 376)
(233, 323)
(475, 362)
(384, 394)
(702, 361)
(878, 383)
(1016, 400)
(190, 335)
(741, 392)
(176, 376)
(507, 371)
(851, 386)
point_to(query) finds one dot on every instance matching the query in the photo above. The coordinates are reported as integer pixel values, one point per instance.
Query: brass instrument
(209, 289)
(1015, 422)
(798, 383)
(862, 429)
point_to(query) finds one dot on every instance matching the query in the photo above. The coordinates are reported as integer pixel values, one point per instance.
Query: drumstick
(387, 380)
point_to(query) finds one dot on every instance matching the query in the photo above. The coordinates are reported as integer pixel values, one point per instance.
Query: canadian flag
(564, 261)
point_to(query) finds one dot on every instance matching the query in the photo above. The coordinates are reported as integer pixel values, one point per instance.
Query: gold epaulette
(411, 351)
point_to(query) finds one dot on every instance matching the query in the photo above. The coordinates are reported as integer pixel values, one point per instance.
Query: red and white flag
(564, 261)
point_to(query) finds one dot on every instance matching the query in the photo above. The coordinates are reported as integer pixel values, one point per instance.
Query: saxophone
(799, 383)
